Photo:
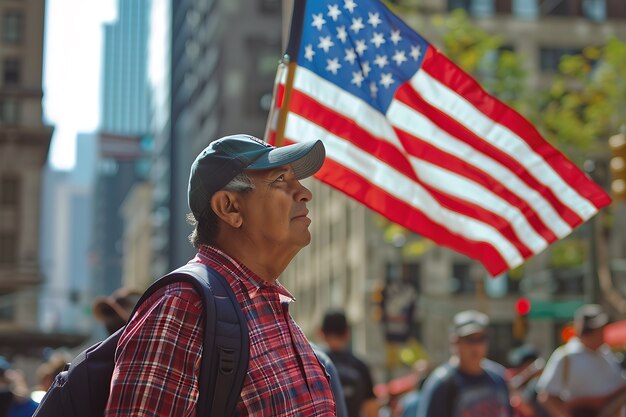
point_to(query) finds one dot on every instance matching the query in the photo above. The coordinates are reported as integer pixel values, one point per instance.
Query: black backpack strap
(226, 346)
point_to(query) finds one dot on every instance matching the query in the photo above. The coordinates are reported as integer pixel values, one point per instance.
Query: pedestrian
(467, 385)
(354, 374)
(526, 366)
(113, 311)
(251, 218)
(15, 400)
(582, 376)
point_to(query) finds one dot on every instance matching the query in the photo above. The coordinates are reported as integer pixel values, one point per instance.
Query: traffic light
(617, 143)
(520, 323)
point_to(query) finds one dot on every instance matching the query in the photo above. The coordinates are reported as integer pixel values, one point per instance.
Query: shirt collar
(253, 284)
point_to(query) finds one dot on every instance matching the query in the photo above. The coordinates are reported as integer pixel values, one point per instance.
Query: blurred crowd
(581, 378)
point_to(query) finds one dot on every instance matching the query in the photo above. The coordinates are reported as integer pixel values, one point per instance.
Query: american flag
(415, 138)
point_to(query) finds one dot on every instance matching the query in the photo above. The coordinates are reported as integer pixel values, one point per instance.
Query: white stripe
(407, 119)
(459, 186)
(378, 125)
(401, 187)
(350, 106)
(501, 137)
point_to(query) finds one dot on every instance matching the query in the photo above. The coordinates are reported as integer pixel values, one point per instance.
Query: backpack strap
(225, 349)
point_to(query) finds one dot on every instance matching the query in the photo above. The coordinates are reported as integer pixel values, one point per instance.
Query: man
(354, 374)
(468, 385)
(250, 215)
(582, 375)
(525, 367)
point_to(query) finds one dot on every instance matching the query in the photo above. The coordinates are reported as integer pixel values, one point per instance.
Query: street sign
(549, 309)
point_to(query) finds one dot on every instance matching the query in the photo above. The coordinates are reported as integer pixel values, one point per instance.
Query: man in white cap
(251, 218)
(583, 375)
(468, 385)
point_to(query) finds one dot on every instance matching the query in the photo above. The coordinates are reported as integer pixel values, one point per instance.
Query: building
(24, 143)
(125, 138)
(66, 239)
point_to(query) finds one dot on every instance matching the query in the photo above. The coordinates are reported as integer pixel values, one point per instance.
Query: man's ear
(225, 205)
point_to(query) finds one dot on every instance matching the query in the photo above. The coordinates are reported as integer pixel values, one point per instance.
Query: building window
(11, 69)
(594, 10)
(476, 8)
(270, 6)
(503, 6)
(616, 9)
(12, 23)
(9, 191)
(7, 307)
(525, 9)
(462, 280)
(9, 111)
(550, 58)
(8, 249)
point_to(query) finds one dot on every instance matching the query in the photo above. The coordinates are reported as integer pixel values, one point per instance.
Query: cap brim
(306, 158)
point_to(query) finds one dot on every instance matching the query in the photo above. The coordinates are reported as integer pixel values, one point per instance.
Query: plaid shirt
(159, 354)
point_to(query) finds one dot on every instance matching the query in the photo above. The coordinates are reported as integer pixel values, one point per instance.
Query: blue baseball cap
(227, 157)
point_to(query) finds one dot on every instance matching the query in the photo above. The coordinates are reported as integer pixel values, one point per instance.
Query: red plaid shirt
(158, 356)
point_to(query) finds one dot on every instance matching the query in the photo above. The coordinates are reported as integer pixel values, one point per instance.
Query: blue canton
(361, 47)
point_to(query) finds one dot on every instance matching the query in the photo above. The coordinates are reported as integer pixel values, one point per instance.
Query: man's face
(275, 212)
(472, 349)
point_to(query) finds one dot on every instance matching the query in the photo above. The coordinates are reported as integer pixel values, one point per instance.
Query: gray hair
(205, 229)
(241, 182)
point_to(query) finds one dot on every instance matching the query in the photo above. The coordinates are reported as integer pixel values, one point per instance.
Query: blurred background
(105, 103)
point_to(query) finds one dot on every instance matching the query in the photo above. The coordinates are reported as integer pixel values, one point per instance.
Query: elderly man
(582, 376)
(251, 219)
(468, 385)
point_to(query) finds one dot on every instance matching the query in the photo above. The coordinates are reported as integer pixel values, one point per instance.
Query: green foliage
(587, 100)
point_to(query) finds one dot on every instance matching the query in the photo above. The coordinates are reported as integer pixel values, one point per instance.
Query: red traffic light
(522, 306)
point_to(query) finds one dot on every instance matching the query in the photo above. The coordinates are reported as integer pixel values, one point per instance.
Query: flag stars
(361, 47)
(399, 57)
(374, 19)
(350, 56)
(309, 52)
(357, 78)
(318, 21)
(333, 12)
(342, 34)
(333, 65)
(373, 89)
(378, 39)
(325, 43)
(357, 24)
(381, 61)
(395, 36)
(349, 5)
(365, 67)
(416, 52)
(386, 80)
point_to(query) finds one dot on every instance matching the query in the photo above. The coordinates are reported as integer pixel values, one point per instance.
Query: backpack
(83, 389)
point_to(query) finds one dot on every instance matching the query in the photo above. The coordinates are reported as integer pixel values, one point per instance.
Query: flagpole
(284, 108)
(289, 60)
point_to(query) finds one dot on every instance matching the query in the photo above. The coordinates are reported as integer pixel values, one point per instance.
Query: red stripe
(346, 129)
(448, 73)
(408, 216)
(432, 154)
(423, 149)
(339, 125)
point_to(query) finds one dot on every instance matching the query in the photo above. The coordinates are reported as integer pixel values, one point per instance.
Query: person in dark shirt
(354, 374)
(467, 385)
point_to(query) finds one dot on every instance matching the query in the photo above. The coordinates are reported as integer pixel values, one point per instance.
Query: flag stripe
(494, 209)
(454, 138)
(456, 93)
(356, 186)
(401, 187)
(370, 120)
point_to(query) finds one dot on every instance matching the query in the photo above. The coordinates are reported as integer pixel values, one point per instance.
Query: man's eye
(280, 178)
